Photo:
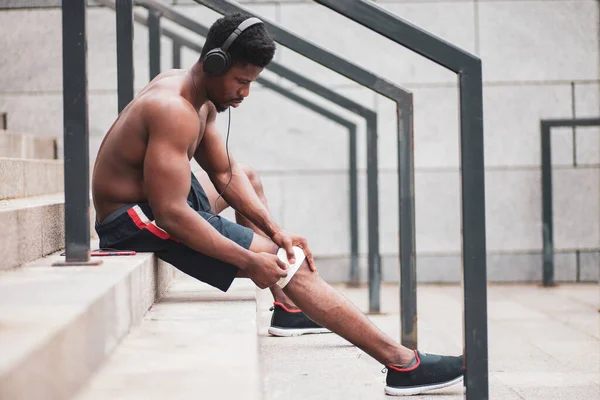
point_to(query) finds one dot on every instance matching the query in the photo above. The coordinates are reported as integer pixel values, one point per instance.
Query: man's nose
(244, 91)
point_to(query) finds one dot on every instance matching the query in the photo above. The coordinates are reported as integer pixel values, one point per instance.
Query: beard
(218, 106)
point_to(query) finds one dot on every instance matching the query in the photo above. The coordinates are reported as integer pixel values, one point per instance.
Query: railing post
(473, 228)
(373, 217)
(154, 43)
(354, 271)
(125, 73)
(76, 133)
(547, 212)
(408, 253)
(176, 55)
(4, 121)
(546, 126)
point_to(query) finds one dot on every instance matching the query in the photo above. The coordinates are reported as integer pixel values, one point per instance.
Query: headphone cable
(229, 161)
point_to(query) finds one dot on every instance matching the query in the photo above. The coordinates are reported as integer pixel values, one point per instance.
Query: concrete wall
(540, 60)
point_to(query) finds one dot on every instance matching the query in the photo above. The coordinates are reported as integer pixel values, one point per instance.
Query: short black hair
(254, 46)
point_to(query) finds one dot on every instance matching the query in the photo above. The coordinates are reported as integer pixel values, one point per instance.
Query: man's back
(118, 172)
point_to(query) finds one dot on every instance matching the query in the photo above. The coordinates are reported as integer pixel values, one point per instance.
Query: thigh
(261, 244)
(211, 192)
(205, 268)
(240, 234)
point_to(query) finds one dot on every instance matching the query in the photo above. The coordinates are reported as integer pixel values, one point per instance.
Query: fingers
(288, 246)
(282, 270)
(283, 266)
(309, 257)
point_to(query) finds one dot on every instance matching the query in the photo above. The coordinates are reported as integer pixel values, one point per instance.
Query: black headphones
(217, 61)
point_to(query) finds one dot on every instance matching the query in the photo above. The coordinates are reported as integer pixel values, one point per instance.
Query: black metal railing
(4, 120)
(546, 126)
(468, 69)
(125, 73)
(76, 134)
(154, 42)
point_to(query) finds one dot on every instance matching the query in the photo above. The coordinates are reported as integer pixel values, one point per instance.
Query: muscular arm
(173, 128)
(212, 157)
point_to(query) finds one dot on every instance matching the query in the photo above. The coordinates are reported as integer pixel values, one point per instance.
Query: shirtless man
(147, 199)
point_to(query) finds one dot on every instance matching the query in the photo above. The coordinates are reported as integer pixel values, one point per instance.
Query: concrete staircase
(31, 198)
(59, 327)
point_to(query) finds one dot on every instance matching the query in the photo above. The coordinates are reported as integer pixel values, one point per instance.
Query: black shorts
(132, 227)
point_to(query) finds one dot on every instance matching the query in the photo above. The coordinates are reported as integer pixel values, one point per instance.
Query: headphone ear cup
(216, 62)
(227, 59)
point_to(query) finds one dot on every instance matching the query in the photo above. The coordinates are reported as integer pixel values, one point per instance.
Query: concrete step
(196, 343)
(58, 324)
(20, 145)
(25, 178)
(31, 228)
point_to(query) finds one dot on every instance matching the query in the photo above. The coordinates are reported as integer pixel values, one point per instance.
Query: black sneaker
(430, 372)
(285, 322)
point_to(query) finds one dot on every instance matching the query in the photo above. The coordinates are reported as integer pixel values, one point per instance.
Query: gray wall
(540, 60)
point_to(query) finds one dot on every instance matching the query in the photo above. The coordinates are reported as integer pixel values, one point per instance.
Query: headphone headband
(238, 31)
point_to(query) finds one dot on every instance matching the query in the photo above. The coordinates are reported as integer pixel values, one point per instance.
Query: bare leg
(278, 294)
(319, 301)
(329, 308)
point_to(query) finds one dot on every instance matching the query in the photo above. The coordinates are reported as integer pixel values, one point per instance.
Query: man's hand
(266, 269)
(287, 240)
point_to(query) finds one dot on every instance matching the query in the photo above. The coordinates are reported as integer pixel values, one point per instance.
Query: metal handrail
(468, 67)
(76, 135)
(546, 126)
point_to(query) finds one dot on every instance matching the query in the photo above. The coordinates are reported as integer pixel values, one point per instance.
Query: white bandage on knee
(291, 271)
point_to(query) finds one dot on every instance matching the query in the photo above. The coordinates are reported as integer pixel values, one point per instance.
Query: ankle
(403, 359)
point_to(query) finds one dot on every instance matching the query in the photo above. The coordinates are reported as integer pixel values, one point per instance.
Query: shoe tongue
(411, 364)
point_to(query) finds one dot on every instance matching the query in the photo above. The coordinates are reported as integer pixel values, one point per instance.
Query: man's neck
(195, 86)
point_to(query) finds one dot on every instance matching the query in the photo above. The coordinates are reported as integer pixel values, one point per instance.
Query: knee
(252, 177)
(298, 271)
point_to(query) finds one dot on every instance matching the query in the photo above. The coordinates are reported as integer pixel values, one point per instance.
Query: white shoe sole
(296, 332)
(409, 391)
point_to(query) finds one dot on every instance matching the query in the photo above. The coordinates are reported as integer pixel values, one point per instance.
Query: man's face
(230, 89)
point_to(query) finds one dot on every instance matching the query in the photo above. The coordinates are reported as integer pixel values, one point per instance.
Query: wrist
(247, 260)
(272, 229)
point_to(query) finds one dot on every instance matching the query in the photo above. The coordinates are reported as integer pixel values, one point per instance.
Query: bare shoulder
(164, 105)
(168, 113)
